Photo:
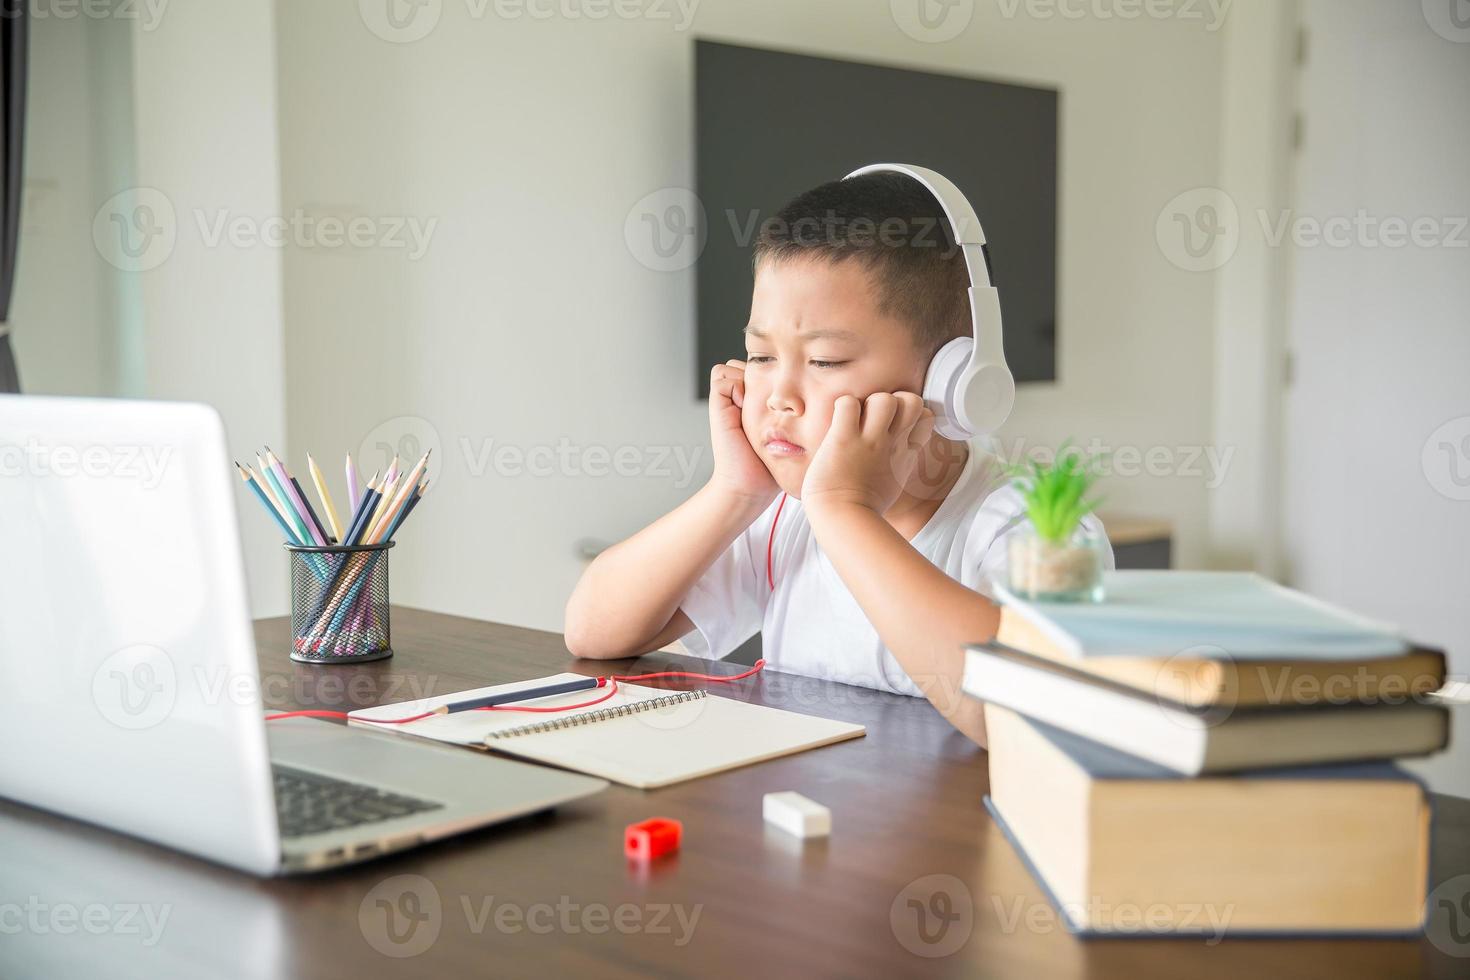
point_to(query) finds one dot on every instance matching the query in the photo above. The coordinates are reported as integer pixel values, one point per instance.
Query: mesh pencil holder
(339, 603)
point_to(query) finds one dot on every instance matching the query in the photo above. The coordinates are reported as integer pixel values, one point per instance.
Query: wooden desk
(905, 803)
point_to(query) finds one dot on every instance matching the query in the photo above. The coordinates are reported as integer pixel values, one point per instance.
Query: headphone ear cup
(984, 397)
(941, 387)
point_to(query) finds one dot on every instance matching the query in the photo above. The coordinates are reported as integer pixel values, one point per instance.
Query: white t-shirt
(811, 624)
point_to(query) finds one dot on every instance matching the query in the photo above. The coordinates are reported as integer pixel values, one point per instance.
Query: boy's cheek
(750, 413)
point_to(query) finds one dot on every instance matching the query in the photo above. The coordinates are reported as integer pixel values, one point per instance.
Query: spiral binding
(601, 714)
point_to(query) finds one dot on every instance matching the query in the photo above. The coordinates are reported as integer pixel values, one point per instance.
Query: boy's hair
(892, 225)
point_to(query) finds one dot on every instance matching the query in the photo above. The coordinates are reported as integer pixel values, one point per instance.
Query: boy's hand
(738, 469)
(869, 452)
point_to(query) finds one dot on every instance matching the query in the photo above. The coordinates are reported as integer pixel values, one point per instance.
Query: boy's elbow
(580, 639)
(584, 639)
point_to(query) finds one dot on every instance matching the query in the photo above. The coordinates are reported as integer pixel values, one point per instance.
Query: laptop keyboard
(308, 803)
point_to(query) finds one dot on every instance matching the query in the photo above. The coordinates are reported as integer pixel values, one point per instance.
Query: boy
(836, 521)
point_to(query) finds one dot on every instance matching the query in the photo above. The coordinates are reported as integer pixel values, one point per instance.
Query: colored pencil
(292, 514)
(249, 478)
(364, 508)
(353, 494)
(325, 496)
(316, 522)
(291, 493)
(403, 514)
(283, 515)
(405, 492)
(389, 488)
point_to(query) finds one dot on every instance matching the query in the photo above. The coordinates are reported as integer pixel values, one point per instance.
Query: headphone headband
(972, 396)
(964, 224)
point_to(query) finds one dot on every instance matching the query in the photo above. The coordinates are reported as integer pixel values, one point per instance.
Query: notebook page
(671, 744)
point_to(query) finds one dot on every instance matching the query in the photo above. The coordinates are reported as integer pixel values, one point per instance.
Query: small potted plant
(1056, 557)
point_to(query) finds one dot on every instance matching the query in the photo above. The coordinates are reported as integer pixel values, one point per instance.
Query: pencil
(407, 509)
(270, 497)
(249, 478)
(325, 496)
(353, 494)
(291, 514)
(364, 507)
(405, 492)
(316, 522)
(292, 493)
(386, 492)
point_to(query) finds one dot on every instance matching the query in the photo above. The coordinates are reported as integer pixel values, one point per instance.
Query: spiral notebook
(642, 736)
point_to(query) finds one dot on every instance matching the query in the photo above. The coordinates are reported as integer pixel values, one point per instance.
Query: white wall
(175, 113)
(1256, 146)
(1377, 488)
(529, 321)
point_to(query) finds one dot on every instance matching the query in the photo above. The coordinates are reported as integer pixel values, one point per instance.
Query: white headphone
(968, 386)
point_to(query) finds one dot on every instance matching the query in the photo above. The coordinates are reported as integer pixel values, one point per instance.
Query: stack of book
(1207, 753)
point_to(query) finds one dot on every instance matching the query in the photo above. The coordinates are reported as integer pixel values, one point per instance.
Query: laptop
(128, 672)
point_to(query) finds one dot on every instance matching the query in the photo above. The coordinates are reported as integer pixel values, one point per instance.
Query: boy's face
(816, 333)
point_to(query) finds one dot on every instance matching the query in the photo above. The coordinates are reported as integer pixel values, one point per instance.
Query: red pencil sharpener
(652, 838)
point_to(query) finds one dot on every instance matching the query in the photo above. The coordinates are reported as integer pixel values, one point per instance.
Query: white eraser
(796, 814)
